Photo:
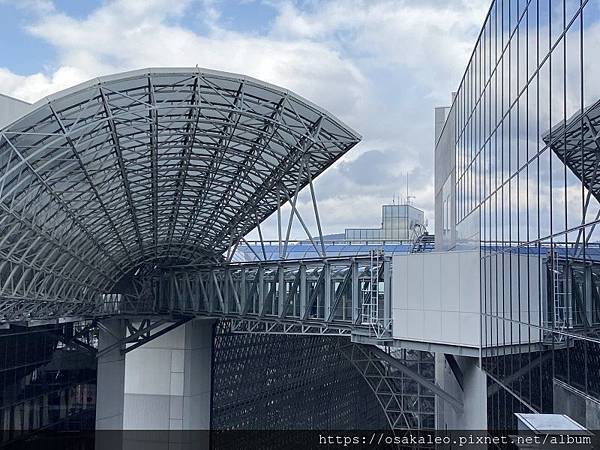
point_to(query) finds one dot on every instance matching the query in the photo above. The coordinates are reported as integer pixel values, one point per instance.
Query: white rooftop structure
(11, 109)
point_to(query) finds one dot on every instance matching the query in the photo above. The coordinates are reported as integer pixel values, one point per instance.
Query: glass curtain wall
(528, 189)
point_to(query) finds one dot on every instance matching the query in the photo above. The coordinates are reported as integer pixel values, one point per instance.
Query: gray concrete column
(168, 381)
(110, 388)
(163, 385)
(473, 394)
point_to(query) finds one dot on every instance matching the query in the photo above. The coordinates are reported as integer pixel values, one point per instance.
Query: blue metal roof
(299, 251)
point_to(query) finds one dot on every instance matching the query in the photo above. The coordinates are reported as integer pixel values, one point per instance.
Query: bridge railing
(326, 295)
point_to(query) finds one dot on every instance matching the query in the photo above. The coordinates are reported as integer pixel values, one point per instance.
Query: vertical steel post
(355, 287)
(243, 297)
(387, 293)
(327, 293)
(227, 296)
(302, 290)
(261, 290)
(196, 290)
(281, 290)
(211, 292)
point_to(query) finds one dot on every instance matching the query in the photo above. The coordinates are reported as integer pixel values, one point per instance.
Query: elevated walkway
(338, 295)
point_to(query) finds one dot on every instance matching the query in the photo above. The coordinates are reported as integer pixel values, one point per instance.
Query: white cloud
(381, 66)
(33, 87)
(125, 35)
(429, 39)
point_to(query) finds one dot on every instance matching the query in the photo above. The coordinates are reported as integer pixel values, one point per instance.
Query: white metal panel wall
(436, 298)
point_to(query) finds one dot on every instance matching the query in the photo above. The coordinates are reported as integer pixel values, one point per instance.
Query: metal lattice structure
(294, 297)
(283, 382)
(403, 382)
(146, 169)
(271, 381)
(576, 142)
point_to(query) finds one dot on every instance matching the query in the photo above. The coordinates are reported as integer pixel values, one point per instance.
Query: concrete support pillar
(168, 381)
(473, 394)
(111, 377)
(163, 385)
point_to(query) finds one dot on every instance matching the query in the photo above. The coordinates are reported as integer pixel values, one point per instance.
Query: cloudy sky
(380, 66)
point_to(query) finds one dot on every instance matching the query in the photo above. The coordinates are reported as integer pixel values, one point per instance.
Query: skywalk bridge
(337, 295)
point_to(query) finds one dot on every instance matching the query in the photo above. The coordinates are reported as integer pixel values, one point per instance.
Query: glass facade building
(517, 174)
(47, 380)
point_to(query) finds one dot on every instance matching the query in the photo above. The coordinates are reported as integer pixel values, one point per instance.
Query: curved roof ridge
(165, 70)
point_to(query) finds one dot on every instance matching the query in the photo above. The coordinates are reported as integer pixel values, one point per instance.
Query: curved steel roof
(150, 165)
(576, 143)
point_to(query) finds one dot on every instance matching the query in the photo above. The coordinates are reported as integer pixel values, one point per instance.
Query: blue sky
(379, 65)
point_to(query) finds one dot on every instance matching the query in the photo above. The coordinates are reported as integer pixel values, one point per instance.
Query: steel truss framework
(406, 395)
(129, 195)
(139, 332)
(279, 382)
(577, 144)
(573, 283)
(321, 296)
(402, 381)
(147, 169)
